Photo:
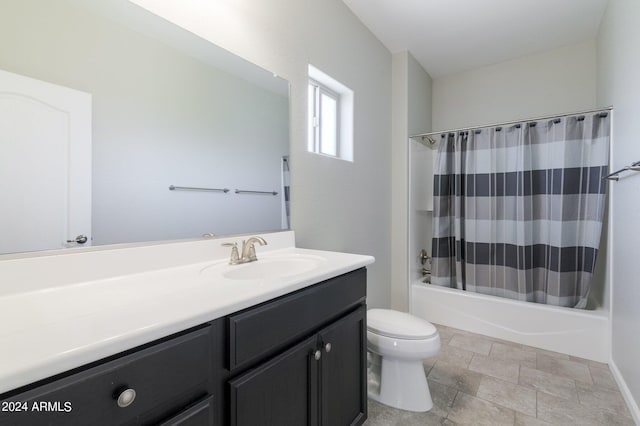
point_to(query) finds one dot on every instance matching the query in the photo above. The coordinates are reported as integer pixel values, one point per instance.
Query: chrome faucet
(248, 250)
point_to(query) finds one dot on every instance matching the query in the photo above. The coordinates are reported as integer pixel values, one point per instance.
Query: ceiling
(450, 36)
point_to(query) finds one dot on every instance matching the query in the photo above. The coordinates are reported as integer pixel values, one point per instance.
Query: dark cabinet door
(282, 391)
(199, 414)
(343, 371)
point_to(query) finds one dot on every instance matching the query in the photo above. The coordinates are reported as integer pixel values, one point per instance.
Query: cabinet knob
(317, 355)
(126, 397)
(327, 347)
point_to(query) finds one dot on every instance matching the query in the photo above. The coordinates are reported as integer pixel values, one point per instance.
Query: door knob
(327, 347)
(80, 239)
(317, 355)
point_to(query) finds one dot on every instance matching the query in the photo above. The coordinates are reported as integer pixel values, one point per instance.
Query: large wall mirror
(167, 108)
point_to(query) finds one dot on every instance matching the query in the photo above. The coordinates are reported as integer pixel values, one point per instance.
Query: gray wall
(420, 98)
(411, 114)
(618, 65)
(336, 205)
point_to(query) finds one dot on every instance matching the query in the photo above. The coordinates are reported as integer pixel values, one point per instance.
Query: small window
(330, 116)
(324, 110)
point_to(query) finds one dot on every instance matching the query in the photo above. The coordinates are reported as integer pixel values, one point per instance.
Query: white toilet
(397, 343)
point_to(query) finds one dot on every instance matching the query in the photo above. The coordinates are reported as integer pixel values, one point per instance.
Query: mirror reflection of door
(45, 165)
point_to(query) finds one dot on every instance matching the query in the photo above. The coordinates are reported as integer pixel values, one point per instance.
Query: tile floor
(478, 380)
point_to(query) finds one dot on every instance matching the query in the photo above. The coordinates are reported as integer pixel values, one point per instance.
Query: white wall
(411, 114)
(336, 205)
(160, 118)
(552, 82)
(419, 121)
(618, 67)
(420, 206)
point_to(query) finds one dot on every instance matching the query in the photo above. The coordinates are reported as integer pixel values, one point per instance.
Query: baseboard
(626, 393)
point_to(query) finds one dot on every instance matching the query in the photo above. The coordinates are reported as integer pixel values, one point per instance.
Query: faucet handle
(235, 257)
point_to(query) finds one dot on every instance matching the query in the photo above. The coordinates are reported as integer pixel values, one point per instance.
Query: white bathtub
(580, 333)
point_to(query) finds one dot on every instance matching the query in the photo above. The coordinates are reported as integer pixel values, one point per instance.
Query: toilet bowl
(397, 344)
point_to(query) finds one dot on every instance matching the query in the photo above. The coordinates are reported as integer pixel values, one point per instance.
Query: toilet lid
(397, 324)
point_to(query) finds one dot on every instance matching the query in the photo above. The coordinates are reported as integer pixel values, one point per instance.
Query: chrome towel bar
(634, 167)
(193, 188)
(225, 190)
(243, 191)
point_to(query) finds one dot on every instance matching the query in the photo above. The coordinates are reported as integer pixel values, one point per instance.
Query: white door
(45, 164)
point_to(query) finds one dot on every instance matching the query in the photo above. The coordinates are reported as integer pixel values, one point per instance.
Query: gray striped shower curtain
(518, 209)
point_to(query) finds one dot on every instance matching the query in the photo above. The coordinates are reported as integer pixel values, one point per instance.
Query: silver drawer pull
(327, 347)
(317, 355)
(126, 398)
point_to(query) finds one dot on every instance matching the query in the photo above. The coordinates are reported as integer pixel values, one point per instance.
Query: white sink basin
(267, 267)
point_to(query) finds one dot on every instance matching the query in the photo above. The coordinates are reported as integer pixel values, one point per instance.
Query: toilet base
(398, 383)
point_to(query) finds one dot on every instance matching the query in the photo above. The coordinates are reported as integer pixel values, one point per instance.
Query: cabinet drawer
(259, 332)
(165, 377)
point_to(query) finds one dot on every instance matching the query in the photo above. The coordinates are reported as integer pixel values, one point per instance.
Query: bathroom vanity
(283, 350)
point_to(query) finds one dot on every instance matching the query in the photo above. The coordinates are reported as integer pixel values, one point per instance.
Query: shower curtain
(518, 209)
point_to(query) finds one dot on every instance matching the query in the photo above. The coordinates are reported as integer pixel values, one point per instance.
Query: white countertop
(48, 330)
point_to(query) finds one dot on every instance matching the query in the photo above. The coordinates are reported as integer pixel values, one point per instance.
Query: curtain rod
(424, 135)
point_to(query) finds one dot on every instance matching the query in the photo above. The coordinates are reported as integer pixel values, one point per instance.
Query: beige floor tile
(468, 410)
(471, 342)
(442, 396)
(428, 364)
(602, 377)
(446, 333)
(522, 420)
(616, 419)
(605, 399)
(477, 380)
(455, 356)
(513, 353)
(420, 419)
(380, 414)
(559, 411)
(509, 395)
(548, 383)
(505, 370)
(549, 353)
(588, 362)
(458, 378)
(565, 368)
(383, 415)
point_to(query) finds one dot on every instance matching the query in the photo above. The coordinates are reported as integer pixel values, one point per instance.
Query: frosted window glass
(311, 130)
(328, 125)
